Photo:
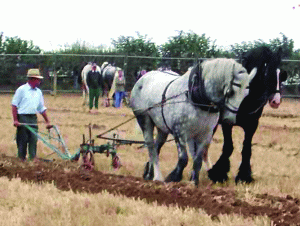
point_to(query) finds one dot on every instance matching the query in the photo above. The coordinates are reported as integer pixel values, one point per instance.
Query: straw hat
(34, 73)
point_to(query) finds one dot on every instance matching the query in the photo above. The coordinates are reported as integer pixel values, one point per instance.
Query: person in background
(27, 101)
(119, 88)
(95, 84)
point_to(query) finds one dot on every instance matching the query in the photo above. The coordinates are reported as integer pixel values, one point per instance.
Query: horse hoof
(244, 179)
(216, 177)
(148, 172)
(194, 179)
(173, 177)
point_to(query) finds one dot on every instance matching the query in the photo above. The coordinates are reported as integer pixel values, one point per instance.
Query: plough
(87, 147)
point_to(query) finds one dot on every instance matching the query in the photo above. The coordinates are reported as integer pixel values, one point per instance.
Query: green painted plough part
(87, 148)
(47, 138)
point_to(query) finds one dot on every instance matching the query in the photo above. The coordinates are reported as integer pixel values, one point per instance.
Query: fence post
(125, 65)
(54, 76)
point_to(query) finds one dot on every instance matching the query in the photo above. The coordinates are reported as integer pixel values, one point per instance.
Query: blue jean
(118, 98)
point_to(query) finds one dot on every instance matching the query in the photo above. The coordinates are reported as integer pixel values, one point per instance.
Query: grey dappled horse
(108, 73)
(187, 107)
(106, 70)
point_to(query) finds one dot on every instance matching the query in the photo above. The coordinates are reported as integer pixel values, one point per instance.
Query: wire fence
(61, 71)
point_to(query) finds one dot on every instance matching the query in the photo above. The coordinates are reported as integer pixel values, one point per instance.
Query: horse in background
(84, 86)
(264, 88)
(187, 107)
(167, 69)
(109, 72)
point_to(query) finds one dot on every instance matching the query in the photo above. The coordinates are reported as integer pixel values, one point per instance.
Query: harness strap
(163, 101)
(196, 91)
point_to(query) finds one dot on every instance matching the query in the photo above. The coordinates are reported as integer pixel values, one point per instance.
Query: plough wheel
(88, 161)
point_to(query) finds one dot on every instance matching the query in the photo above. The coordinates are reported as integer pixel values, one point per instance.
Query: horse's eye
(230, 93)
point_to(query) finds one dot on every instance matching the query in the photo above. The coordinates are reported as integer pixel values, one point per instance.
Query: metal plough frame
(87, 148)
(45, 138)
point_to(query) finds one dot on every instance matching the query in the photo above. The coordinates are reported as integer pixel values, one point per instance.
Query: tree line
(132, 53)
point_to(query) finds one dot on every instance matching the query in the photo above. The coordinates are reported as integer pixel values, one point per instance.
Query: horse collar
(197, 94)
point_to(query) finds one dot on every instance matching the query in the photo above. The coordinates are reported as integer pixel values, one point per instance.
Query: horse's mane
(266, 61)
(209, 80)
(258, 57)
(219, 70)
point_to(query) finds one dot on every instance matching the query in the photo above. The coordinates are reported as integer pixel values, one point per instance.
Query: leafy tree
(186, 45)
(13, 45)
(1, 42)
(284, 42)
(140, 46)
(239, 49)
(133, 47)
(11, 66)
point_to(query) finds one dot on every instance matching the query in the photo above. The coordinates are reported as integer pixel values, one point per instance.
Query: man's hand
(48, 125)
(16, 123)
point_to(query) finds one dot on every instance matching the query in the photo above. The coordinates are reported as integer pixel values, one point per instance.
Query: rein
(154, 106)
(163, 101)
(277, 90)
(226, 105)
(197, 94)
(263, 104)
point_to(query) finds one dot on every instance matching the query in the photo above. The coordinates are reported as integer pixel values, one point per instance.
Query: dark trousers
(94, 96)
(25, 137)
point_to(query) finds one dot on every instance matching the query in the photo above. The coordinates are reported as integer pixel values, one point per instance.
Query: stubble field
(272, 199)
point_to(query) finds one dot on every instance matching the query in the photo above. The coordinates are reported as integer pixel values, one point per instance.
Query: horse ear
(252, 73)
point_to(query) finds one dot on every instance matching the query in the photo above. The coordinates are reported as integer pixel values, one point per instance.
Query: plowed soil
(215, 201)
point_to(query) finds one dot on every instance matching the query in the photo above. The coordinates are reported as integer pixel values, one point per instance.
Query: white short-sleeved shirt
(28, 100)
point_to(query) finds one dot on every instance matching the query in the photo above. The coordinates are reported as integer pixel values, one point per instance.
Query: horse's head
(273, 78)
(221, 82)
(266, 84)
(235, 92)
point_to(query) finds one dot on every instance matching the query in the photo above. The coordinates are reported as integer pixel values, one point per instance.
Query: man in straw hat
(26, 103)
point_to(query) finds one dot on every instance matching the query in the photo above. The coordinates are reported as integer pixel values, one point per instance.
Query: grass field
(275, 165)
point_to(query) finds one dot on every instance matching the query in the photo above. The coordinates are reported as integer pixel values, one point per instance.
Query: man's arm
(45, 116)
(15, 115)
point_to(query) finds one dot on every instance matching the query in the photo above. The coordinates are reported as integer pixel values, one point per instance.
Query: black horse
(265, 87)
